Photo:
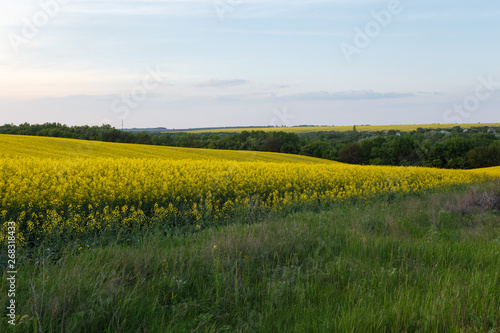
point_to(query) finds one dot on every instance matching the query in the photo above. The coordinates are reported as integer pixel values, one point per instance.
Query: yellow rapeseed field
(360, 128)
(13, 146)
(53, 189)
(492, 171)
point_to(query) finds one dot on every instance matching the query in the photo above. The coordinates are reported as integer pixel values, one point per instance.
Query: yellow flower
(164, 265)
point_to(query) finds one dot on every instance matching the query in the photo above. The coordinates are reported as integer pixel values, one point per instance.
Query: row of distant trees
(451, 148)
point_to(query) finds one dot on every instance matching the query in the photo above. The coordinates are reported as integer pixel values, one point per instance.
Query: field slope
(15, 146)
(492, 171)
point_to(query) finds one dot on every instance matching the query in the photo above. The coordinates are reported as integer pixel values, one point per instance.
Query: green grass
(427, 263)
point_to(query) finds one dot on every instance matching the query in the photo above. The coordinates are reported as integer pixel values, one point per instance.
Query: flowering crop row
(55, 197)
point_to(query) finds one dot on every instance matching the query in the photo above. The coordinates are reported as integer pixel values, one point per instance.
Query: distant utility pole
(122, 125)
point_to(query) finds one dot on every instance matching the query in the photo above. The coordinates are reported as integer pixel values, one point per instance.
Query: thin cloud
(308, 96)
(347, 95)
(222, 83)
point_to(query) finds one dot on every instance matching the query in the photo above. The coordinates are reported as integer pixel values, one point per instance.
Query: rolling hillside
(30, 146)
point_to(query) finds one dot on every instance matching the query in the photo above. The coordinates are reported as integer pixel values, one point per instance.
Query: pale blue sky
(193, 63)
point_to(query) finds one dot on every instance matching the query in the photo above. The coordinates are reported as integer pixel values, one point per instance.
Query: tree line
(454, 148)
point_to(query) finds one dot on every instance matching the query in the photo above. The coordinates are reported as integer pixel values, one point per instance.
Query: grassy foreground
(427, 263)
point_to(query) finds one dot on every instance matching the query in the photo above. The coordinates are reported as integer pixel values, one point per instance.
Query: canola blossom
(53, 197)
(19, 146)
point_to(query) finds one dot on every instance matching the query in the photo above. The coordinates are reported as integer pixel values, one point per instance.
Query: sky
(214, 63)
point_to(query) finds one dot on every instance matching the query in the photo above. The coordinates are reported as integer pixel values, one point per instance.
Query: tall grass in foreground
(409, 264)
